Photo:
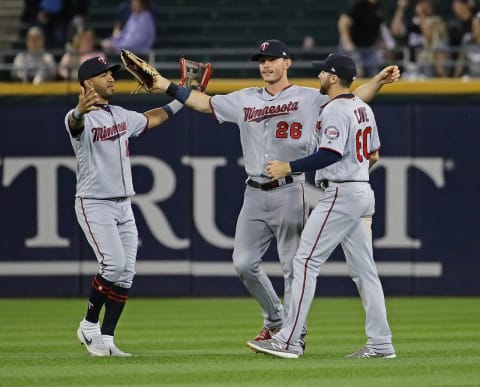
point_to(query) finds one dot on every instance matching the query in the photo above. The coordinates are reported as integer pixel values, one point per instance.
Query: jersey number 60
(362, 140)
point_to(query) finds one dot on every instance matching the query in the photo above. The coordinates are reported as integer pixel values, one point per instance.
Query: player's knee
(244, 267)
(114, 272)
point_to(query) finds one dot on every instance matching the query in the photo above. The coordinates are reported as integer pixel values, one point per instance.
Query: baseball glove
(143, 72)
(194, 75)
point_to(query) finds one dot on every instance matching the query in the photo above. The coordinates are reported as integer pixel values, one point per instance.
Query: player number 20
(284, 130)
(362, 140)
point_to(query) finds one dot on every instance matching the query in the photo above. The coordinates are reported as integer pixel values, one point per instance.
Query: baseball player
(348, 147)
(99, 134)
(276, 121)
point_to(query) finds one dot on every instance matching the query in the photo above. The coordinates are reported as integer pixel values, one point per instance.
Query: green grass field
(201, 342)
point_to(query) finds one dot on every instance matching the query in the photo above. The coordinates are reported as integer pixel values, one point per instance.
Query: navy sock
(98, 294)
(114, 305)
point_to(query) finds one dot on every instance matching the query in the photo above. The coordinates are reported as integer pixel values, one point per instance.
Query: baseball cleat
(368, 353)
(272, 347)
(112, 348)
(116, 352)
(266, 333)
(303, 344)
(89, 335)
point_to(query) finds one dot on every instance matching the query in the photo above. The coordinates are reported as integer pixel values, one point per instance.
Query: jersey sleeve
(74, 133)
(375, 143)
(332, 129)
(136, 124)
(225, 107)
(67, 127)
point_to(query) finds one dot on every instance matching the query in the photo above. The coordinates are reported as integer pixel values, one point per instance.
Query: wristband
(77, 116)
(172, 108)
(178, 92)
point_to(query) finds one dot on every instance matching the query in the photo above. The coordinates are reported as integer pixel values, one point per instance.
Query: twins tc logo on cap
(274, 48)
(93, 67)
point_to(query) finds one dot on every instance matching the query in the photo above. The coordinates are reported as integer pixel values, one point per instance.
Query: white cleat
(112, 348)
(368, 353)
(274, 348)
(116, 352)
(89, 335)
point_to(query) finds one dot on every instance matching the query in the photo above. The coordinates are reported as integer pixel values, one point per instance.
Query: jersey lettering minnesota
(257, 115)
(279, 127)
(103, 159)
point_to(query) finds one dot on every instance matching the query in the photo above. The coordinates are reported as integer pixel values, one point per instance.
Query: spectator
(460, 27)
(75, 13)
(138, 35)
(50, 18)
(308, 42)
(29, 12)
(434, 58)
(83, 47)
(364, 36)
(122, 13)
(468, 63)
(35, 64)
(408, 30)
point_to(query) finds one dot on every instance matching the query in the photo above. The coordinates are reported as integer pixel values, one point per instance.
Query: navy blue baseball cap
(93, 67)
(341, 65)
(273, 47)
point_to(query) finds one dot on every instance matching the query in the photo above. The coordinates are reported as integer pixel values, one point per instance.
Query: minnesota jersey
(272, 127)
(348, 127)
(103, 160)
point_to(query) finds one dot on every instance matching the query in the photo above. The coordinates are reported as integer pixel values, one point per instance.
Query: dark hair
(345, 82)
(146, 4)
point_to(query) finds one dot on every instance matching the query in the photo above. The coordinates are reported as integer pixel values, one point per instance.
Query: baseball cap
(93, 67)
(341, 65)
(272, 47)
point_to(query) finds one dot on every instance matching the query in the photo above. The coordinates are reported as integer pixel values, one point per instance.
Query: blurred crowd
(426, 43)
(412, 34)
(64, 23)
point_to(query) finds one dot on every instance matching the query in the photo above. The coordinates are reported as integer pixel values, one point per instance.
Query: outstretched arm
(159, 115)
(369, 90)
(86, 103)
(194, 99)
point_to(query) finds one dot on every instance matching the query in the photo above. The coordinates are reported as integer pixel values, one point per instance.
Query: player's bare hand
(277, 169)
(87, 100)
(388, 74)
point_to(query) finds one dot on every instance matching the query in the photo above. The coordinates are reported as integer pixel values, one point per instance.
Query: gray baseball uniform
(342, 216)
(104, 187)
(271, 127)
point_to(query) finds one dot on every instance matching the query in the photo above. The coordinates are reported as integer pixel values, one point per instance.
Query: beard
(105, 94)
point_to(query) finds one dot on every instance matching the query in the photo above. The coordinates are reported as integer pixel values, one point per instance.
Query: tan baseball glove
(143, 72)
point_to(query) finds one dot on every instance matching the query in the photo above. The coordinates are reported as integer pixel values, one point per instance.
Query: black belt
(324, 183)
(270, 184)
(118, 199)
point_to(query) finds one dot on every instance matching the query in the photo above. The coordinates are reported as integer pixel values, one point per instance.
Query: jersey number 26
(284, 130)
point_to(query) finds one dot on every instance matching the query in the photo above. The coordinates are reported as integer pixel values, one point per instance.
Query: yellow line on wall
(221, 86)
